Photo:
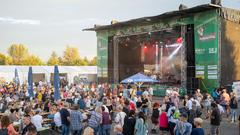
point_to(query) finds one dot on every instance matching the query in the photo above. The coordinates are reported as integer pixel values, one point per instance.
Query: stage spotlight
(179, 40)
(145, 47)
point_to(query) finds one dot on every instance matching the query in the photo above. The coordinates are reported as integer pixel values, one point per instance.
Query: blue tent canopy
(139, 78)
(56, 84)
(30, 82)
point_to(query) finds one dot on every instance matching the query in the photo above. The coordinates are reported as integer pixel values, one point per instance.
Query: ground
(226, 128)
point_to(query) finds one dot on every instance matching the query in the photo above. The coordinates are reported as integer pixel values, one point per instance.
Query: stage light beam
(174, 52)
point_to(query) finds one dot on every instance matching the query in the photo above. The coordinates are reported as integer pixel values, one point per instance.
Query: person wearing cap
(182, 126)
(37, 119)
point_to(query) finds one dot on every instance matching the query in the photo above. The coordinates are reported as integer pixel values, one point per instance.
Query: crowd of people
(104, 109)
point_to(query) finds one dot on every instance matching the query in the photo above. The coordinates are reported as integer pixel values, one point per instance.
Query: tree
(9, 60)
(93, 62)
(83, 62)
(70, 55)
(86, 60)
(53, 60)
(18, 52)
(2, 59)
(32, 60)
(60, 61)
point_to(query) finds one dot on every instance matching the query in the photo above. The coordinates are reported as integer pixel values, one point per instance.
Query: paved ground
(226, 128)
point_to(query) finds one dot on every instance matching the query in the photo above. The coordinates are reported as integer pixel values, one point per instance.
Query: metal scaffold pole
(183, 59)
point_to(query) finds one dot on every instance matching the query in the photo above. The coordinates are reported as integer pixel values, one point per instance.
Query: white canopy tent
(7, 72)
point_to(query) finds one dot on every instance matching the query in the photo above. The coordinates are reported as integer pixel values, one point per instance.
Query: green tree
(70, 56)
(32, 60)
(2, 59)
(93, 62)
(18, 52)
(53, 60)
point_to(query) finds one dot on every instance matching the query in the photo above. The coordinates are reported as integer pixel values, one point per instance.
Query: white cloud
(19, 21)
(86, 22)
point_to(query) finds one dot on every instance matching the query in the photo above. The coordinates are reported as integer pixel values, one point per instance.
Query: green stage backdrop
(206, 30)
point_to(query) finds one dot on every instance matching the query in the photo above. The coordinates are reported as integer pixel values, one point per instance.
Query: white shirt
(106, 109)
(88, 103)
(150, 91)
(145, 93)
(220, 108)
(197, 103)
(120, 118)
(189, 104)
(37, 121)
(57, 119)
(8, 99)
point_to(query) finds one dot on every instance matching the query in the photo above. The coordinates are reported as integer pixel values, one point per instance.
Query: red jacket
(163, 120)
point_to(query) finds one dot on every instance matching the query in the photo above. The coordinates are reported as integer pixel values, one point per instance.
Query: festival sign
(206, 48)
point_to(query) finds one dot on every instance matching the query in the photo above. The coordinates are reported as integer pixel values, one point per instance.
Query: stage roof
(226, 13)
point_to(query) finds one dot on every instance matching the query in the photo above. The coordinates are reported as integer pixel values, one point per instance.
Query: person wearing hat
(182, 126)
(76, 119)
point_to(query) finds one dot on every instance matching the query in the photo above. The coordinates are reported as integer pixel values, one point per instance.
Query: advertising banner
(102, 53)
(206, 48)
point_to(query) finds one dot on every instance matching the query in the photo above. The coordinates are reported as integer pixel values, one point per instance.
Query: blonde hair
(119, 108)
(98, 109)
(88, 131)
(198, 121)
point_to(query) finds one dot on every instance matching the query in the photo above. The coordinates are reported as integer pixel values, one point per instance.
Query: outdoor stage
(158, 54)
(207, 56)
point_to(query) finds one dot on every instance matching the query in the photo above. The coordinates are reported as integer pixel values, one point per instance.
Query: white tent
(7, 72)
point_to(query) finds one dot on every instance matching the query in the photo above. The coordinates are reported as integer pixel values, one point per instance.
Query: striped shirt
(95, 119)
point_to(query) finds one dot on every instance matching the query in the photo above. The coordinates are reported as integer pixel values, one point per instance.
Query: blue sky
(49, 25)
